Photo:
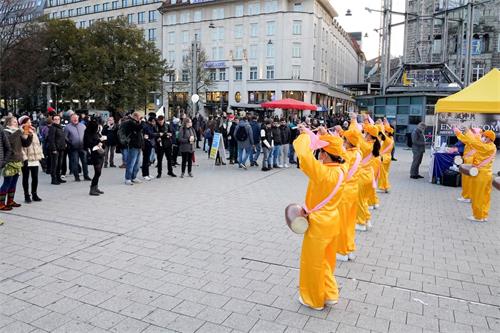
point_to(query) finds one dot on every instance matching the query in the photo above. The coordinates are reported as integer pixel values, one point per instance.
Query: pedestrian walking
(244, 138)
(418, 149)
(187, 137)
(256, 149)
(132, 140)
(266, 136)
(32, 155)
(285, 139)
(94, 146)
(277, 143)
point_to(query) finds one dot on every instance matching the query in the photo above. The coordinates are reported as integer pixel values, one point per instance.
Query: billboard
(485, 121)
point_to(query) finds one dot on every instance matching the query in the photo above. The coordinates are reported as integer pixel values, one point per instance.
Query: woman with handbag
(92, 140)
(187, 136)
(32, 155)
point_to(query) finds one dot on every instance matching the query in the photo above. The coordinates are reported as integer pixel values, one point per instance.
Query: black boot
(36, 197)
(93, 190)
(27, 198)
(98, 190)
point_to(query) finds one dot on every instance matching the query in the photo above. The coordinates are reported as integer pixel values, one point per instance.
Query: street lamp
(48, 85)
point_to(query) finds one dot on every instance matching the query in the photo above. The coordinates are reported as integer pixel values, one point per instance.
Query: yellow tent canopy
(483, 96)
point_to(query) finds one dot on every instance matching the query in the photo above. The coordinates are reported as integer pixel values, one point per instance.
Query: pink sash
(375, 179)
(387, 149)
(327, 199)
(470, 153)
(367, 159)
(354, 167)
(486, 161)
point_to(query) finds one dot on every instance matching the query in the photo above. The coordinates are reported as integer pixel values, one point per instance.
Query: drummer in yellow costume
(385, 153)
(366, 173)
(373, 200)
(317, 262)
(349, 203)
(480, 186)
(468, 157)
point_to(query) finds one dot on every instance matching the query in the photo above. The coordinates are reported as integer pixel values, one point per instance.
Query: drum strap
(354, 167)
(486, 161)
(470, 153)
(387, 149)
(327, 199)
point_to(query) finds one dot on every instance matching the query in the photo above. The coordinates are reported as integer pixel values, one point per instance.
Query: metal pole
(468, 51)
(444, 36)
(195, 71)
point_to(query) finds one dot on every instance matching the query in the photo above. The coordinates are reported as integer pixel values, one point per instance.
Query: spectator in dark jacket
(92, 143)
(254, 157)
(187, 137)
(276, 131)
(418, 149)
(74, 135)
(131, 137)
(149, 144)
(164, 138)
(285, 142)
(110, 132)
(56, 145)
(233, 144)
(244, 137)
(4, 148)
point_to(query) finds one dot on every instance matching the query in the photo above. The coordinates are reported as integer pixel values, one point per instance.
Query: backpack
(241, 133)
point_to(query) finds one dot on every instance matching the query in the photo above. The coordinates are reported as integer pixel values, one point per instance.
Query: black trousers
(64, 162)
(146, 154)
(175, 154)
(167, 152)
(56, 161)
(187, 158)
(34, 178)
(97, 173)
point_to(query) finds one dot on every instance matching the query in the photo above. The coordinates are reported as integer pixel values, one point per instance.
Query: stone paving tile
(127, 269)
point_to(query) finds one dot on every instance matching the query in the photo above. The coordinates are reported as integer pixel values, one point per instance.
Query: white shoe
(304, 304)
(464, 200)
(280, 165)
(137, 181)
(369, 224)
(286, 165)
(351, 256)
(331, 302)
(473, 219)
(147, 178)
(380, 191)
(63, 177)
(128, 182)
(377, 206)
(341, 257)
(370, 207)
(360, 227)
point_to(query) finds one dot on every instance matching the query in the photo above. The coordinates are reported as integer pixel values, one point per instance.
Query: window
(217, 13)
(151, 34)
(83, 24)
(171, 19)
(140, 18)
(185, 36)
(185, 75)
(295, 72)
(171, 57)
(217, 53)
(152, 16)
(498, 44)
(253, 51)
(91, 22)
(238, 31)
(238, 10)
(197, 16)
(296, 50)
(79, 11)
(218, 33)
(238, 52)
(134, 2)
(197, 34)
(130, 18)
(63, 13)
(297, 28)
(185, 55)
(171, 37)
(238, 73)
(270, 50)
(212, 74)
(477, 72)
(71, 12)
(124, 3)
(253, 73)
(271, 28)
(54, 15)
(270, 72)
(110, 18)
(97, 8)
(298, 7)
(105, 6)
(114, 5)
(254, 30)
(271, 6)
(253, 8)
(184, 18)
(222, 74)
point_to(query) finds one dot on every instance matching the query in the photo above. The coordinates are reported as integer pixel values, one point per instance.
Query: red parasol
(50, 109)
(289, 103)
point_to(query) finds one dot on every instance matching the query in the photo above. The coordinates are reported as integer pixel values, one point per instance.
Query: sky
(362, 20)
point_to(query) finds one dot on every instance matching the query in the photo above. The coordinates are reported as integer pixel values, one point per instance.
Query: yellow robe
(385, 151)
(317, 261)
(376, 164)
(480, 186)
(467, 160)
(348, 207)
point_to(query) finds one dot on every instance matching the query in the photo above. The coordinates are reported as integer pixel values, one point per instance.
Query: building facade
(143, 13)
(261, 50)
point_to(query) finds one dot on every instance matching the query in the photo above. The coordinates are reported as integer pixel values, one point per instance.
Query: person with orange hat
(348, 207)
(317, 285)
(480, 186)
(385, 152)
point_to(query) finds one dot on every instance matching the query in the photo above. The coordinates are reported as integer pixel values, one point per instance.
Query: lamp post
(48, 85)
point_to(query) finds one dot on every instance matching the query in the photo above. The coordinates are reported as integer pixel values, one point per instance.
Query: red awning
(289, 103)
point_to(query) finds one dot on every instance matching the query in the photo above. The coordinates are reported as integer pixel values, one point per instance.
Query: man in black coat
(132, 140)
(56, 143)
(164, 146)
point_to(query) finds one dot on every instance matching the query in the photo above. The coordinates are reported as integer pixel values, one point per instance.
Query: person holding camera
(164, 146)
(32, 155)
(187, 136)
(92, 142)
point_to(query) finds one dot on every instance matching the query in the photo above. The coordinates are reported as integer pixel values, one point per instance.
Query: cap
(352, 137)
(22, 120)
(490, 135)
(372, 130)
(335, 144)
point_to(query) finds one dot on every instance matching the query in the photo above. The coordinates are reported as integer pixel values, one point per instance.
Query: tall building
(433, 36)
(261, 50)
(143, 13)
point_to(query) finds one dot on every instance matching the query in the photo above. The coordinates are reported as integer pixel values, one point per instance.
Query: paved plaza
(212, 254)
